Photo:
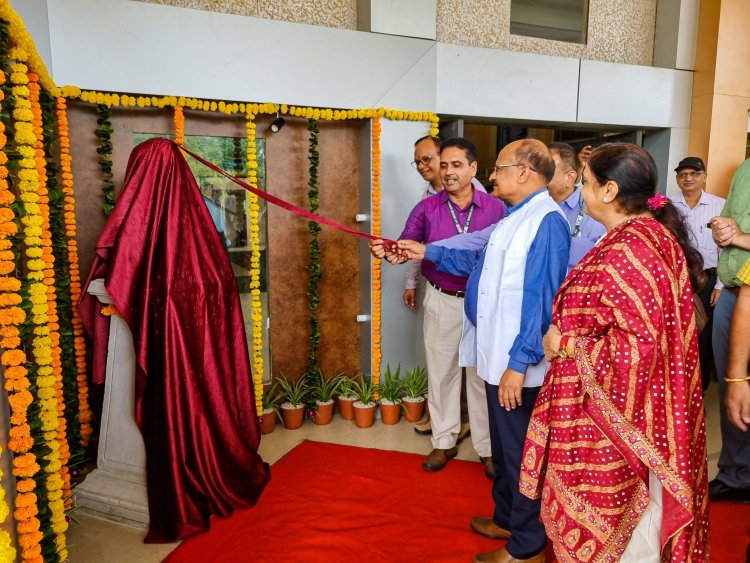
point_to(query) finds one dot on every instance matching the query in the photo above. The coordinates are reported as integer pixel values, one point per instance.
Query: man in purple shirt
(427, 163)
(459, 208)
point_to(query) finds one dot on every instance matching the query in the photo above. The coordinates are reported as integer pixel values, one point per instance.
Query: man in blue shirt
(508, 306)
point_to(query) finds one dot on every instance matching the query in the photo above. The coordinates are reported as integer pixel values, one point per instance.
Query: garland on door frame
(314, 266)
(74, 280)
(103, 132)
(253, 210)
(376, 351)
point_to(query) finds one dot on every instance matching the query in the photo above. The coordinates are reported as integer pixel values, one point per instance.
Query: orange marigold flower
(12, 357)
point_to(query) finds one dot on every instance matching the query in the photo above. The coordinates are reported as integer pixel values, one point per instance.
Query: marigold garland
(103, 132)
(19, 434)
(79, 342)
(48, 353)
(314, 266)
(253, 210)
(179, 125)
(376, 352)
(25, 465)
(110, 99)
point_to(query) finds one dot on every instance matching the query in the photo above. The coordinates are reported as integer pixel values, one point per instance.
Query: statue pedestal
(116, 489)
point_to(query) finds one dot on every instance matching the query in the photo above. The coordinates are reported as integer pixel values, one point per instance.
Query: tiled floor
(96, 541)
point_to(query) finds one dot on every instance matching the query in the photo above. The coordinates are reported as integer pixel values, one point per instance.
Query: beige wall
(721, 90)
(619, 31)
(327, 13)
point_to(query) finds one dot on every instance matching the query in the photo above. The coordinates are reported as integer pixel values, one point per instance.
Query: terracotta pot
(390, 414)
(268, 422)
(323, 413)
(345, 404)
(364, 416)
(414, 408)
(293, 416)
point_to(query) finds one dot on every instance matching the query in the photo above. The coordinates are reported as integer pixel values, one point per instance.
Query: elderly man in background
(698, 207)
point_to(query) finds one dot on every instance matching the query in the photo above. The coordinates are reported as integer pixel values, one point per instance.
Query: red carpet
(330, 503)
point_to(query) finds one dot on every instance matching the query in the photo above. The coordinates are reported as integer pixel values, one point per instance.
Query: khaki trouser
(443, 323)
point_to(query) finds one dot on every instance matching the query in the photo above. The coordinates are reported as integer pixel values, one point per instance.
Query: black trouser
(706, 349)
(513, 511)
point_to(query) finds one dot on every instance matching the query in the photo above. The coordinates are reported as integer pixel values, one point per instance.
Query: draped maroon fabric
(628, 403)
(170, 278)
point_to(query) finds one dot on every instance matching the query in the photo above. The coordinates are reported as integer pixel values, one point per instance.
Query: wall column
(721, 90)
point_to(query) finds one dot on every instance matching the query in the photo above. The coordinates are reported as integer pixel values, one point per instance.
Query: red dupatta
(629, 401)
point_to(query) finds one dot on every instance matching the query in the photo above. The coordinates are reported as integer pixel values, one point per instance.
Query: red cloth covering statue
(170, 278)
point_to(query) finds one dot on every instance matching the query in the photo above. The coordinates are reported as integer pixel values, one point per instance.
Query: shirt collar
(475, 197)
(520, 204)
(574, 200)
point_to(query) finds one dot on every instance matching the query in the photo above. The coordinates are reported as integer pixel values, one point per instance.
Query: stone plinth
(116, 489)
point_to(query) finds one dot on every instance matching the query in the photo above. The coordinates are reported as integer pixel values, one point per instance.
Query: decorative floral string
(179, 125)
(103, 132)
(79, 342)
(315, 268)
(253, 210)
(16, 381)
(48, 353)
(28, 182)
(376, 351)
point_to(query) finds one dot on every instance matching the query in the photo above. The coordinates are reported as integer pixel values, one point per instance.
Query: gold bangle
(737, 379)
(570, 345)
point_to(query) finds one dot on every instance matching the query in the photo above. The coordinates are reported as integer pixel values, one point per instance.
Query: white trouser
(645, 544)
(443, 323)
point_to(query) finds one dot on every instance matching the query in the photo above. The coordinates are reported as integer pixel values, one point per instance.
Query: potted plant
(364, 406)
(295, 395)
(390, 390)
(415, 386)
(346, 397)
(271, 397)
(322, 391)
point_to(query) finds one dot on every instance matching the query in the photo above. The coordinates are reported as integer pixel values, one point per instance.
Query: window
(560, 20)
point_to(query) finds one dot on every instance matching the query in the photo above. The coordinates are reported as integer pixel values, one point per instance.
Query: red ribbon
(286, 205)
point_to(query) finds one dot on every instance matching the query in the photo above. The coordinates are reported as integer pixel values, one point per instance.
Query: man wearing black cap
(698, 207)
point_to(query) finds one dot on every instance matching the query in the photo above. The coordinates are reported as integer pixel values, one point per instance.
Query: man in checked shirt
(698, 207)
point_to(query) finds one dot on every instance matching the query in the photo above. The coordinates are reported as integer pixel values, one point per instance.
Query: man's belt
(459, 294)
(732, 290)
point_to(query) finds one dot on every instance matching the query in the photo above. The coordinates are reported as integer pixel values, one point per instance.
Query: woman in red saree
(616, 445)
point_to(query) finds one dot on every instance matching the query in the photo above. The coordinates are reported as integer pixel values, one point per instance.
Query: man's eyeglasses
(424, 161)
(499, 167)
(683, 175)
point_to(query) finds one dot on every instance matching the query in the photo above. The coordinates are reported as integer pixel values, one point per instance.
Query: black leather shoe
(489, 469)
(718, 491)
